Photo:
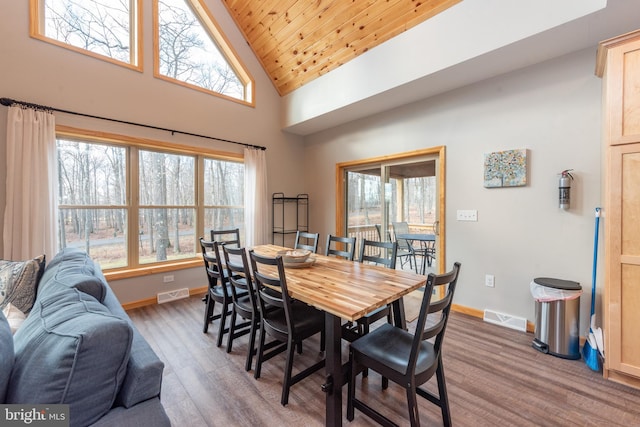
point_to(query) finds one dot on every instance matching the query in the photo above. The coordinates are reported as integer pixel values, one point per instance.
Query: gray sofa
(78, 347)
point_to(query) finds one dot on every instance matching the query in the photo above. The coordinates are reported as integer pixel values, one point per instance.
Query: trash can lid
(558, 283)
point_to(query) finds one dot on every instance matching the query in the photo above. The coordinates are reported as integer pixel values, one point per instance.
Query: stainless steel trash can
(557, 325)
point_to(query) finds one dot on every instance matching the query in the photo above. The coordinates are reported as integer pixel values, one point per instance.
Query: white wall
(38, 72)
(552, 109)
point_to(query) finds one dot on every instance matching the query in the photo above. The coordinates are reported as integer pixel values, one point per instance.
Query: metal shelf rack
(289, 215)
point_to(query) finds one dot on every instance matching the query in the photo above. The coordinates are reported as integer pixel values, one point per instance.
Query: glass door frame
(438, 153)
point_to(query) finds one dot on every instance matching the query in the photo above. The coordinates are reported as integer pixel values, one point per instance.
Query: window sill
(152, 269)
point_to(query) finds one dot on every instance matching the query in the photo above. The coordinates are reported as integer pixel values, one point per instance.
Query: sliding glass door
(379, 193)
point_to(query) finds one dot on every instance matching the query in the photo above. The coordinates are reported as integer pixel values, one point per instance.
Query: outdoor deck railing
(370, 232)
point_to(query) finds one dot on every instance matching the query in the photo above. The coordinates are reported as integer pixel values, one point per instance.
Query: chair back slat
(229, 237)
(346, 250)
(439, 305)
(385, 255)
(433, 329)
(310, 242)
(271, 290)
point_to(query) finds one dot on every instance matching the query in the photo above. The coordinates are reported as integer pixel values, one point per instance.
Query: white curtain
(256, 197)
(31, 211)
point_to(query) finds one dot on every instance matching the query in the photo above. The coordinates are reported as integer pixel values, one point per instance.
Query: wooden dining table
(345, 291)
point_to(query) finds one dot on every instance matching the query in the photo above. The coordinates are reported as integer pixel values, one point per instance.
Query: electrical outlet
(489, 280)
(467, 215)
(168, 278)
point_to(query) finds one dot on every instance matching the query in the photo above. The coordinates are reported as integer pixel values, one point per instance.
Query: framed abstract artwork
(505, 168)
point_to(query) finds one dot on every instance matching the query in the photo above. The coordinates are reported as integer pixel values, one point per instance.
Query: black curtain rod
(7, 102)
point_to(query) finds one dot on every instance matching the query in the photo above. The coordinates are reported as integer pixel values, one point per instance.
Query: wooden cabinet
(619, 65)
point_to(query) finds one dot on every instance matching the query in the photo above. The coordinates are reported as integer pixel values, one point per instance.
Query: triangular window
(191, 50)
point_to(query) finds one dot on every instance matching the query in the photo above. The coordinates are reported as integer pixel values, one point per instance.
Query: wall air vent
(506, 320)
(173, 295)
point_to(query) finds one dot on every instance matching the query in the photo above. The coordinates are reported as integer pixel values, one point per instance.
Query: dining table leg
(399, 319)
(333, 367)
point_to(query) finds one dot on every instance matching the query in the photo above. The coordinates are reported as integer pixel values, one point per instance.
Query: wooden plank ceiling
(299, 40)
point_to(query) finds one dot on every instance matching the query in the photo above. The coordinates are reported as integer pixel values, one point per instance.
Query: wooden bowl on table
(294, 255)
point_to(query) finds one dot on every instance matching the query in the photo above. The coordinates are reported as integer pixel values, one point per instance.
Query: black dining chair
(218, 290)
(230, 237)
(293, 323)
(379, 253)
(308, 241)
(344, 247)
(244, 299)
(408, 360)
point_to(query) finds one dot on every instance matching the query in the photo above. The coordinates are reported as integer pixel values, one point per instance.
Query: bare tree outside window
(167, 200)
(188, 53)
(101, 27)
(223, 195)
(92, 199)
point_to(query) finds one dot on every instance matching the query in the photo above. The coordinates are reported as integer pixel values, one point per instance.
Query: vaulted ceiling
(299, 40)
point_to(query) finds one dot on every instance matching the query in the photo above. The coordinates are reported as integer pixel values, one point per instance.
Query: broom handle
(595, 263)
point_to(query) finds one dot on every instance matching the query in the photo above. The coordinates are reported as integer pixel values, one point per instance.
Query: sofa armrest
(144, 374)
(147, 413)
(143, 379)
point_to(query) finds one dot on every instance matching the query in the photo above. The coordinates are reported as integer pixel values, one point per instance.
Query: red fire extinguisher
(565, 189)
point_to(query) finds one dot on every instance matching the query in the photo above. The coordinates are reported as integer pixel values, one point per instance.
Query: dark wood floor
(494, 378)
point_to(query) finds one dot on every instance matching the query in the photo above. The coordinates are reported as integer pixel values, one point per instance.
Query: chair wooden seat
(244, 302)
(389, 349)
(305, 317)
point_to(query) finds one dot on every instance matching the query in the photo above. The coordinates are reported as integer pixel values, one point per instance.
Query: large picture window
(131, 206)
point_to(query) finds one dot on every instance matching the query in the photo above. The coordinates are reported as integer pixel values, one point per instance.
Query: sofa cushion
(73, 268)
(19, 282)
(6, 355)
(70, 350)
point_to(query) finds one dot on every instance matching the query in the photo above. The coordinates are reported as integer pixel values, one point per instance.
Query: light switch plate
(467, 215)
(490, 280)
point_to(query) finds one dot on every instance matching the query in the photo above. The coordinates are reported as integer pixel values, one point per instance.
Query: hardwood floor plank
(494, 377)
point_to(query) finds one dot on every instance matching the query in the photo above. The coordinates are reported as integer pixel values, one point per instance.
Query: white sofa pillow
(14, 316)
